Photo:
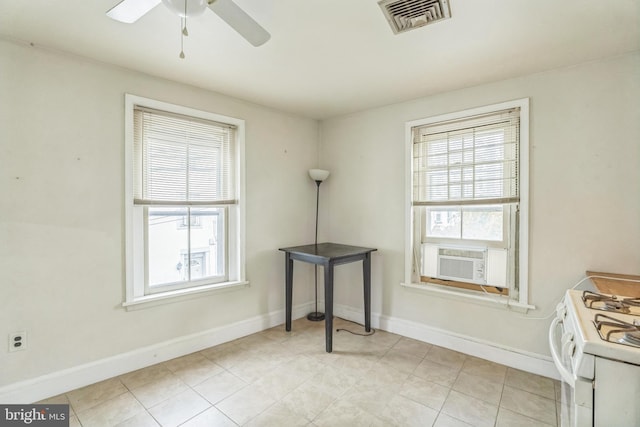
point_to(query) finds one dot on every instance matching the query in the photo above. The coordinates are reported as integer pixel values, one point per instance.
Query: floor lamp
(318, 175)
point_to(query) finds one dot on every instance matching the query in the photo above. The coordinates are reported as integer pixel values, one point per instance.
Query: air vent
(405, 15)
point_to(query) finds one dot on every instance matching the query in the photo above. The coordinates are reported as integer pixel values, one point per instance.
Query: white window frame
(521, 303)
(136, 294)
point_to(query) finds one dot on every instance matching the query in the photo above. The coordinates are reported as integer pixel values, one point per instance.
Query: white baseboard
(55, 383)
(514, 358)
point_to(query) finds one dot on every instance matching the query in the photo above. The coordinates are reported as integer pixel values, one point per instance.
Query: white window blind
(182, 160)
(472, 160)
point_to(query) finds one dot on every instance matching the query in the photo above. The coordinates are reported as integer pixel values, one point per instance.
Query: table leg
(328, 306)
(366, 274)
(288, 289)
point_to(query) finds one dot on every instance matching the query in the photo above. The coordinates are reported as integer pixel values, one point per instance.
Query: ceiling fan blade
(129, 11)
(238, 19)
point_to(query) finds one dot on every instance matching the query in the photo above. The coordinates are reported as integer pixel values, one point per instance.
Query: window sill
(147, 301)
(470, 296)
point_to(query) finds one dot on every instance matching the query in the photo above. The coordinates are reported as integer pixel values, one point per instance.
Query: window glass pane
(468, 156)
(437, 146)
(204, 172)
(467, 191)
(468, 141)
(439, 160)
(185, 244)
(489, 153)
(180, 158)
(455, 191)
(483, 223)
(455, 143)
(455, 175)
(455, 157)
(437, 177)
(483, 147)
(167, 236)
(207, 243)
(443, 222)
(165, 175)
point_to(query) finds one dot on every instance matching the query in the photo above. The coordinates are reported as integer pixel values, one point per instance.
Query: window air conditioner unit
(479, 265)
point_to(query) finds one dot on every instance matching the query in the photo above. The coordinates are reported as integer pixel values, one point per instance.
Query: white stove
(589, 339)
(594, 344)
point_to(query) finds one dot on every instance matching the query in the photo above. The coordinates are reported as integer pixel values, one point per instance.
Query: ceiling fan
(129, 11)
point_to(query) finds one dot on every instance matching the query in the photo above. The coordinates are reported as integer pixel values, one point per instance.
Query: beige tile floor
(275, 378)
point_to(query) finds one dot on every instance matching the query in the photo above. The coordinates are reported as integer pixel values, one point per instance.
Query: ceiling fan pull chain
(184, 27)
(184, 33)
(183, 24)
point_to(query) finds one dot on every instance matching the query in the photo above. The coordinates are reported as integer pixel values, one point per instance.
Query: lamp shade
(318, 174)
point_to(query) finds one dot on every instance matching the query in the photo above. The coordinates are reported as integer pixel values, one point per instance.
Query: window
(468, 200)
(184, 200)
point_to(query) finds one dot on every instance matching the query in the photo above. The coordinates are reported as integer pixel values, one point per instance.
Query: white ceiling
(331, 57)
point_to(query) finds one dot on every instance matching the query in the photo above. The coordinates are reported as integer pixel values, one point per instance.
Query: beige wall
(584, 194)
(61, 212)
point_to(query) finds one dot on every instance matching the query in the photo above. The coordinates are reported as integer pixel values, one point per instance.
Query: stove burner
(609, 302)
(615, 330)
(632, 338)
(617, 306)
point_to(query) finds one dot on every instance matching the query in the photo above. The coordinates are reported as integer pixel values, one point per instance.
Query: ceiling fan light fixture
(129, 11)
(186, 8)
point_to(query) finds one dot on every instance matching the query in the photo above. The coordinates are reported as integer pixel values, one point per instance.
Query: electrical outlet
(18, 341)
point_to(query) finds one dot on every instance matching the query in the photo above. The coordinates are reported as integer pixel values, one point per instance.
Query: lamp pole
(317, 205)
(318, 176)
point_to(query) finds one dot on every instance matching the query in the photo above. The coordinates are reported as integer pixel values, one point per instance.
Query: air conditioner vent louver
(405, 15)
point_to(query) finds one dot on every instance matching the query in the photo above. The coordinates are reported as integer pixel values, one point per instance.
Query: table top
(328, 250)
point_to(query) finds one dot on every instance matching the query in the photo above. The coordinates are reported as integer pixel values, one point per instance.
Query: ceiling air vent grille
(405, 15)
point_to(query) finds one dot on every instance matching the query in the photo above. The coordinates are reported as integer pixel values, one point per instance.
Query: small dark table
(328, 255)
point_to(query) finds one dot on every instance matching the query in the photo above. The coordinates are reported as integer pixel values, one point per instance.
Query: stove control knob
(571, 349)
(561, 311)
(568, 346)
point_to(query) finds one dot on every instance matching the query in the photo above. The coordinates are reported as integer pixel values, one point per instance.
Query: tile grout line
(400, 354)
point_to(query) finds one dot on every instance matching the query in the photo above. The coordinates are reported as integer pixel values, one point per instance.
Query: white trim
(523, 232)
(494, 352)
(514, 358)
(52, 384)
(409, 249)
(523, 104)
(152, 300)
(237, 244)
(58, 382)
(488, 299)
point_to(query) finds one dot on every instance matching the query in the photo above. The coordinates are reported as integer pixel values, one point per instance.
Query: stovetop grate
(611, 303)
(618, 331)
